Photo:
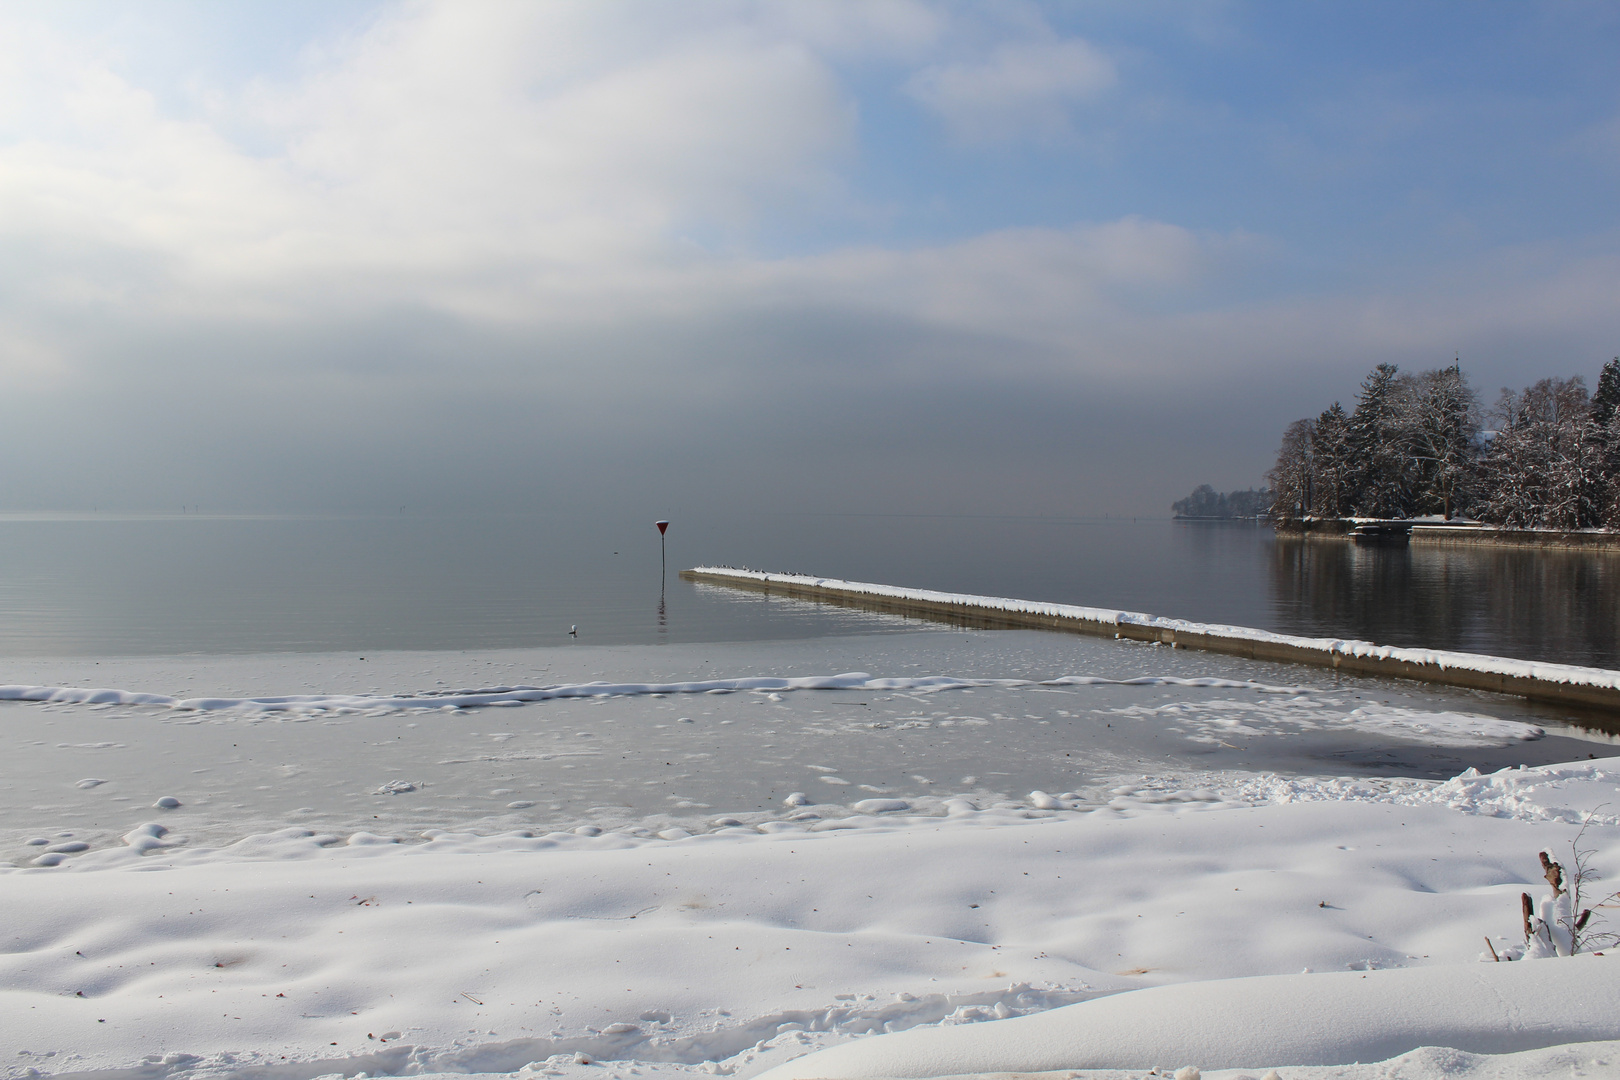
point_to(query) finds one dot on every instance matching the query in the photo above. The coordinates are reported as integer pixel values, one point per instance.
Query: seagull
(573, 631)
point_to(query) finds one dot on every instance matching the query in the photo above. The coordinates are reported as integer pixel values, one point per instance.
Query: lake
(94, 585)
(214, 606)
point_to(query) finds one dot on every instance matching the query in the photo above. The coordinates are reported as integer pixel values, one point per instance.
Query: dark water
(104, 585)
(1545, 605)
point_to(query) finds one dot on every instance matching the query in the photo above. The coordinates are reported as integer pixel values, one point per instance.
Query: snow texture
(293, 955)
(1280, 1020)
(1573, 794)
(163, 919)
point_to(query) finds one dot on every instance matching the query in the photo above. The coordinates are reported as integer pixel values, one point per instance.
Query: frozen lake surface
(647, 762)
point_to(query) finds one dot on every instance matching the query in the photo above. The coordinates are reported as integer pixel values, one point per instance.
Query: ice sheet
(791, 869)
(644, 743)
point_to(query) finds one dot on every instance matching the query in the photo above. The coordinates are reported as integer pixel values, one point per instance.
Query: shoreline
(673, 953)
(1441, 535)
(1561, 684)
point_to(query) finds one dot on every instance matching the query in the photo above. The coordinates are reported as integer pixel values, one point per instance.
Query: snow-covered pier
(1563, 684)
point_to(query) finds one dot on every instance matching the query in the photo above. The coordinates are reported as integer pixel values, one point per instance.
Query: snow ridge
(520, 695)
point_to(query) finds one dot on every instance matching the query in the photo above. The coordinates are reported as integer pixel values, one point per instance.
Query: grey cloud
(394, 309)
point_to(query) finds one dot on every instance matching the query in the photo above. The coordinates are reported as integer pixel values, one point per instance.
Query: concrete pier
(1562, 684)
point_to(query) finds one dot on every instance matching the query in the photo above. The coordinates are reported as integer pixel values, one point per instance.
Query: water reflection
(117, 586)
(1561, 606)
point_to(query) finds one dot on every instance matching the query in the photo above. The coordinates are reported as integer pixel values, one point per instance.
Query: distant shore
(1440, 534)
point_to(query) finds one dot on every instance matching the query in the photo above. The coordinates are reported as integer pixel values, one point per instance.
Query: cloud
(501, 165)
(1040, 291)
(439, 157)
(474, 253)
(1022, 89)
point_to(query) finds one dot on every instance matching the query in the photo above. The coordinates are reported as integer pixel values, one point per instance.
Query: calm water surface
(103, 585)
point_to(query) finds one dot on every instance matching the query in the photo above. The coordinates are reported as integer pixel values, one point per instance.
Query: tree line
(1206, 502)
(1546, 457)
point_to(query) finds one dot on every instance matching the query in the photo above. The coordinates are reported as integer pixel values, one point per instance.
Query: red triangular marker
(663, 526)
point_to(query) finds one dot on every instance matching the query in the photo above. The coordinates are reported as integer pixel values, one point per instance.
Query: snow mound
(1426, 1063)
(1573, 793)
(1260, 1022)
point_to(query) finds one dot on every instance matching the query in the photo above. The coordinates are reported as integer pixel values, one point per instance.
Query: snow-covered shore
(301, 956)
(653, 862)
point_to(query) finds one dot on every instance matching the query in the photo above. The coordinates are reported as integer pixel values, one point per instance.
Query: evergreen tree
(1413, 445)
(1291, 481)
(1606, 402)
(1441, 431)
(1606, 418)
(1377, 446)
(1332, 463)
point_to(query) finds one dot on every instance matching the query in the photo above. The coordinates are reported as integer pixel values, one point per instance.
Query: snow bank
(1109, 617)
(1326, 1019)
(737, 951)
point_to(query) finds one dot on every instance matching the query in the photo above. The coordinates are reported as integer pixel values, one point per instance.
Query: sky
(876, 256)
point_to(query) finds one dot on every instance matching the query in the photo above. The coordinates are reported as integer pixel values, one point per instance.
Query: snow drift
(1316, 1019)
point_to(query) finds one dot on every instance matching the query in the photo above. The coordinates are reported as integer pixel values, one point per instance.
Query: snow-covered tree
(1545, 466)
(1381, 466)
(1413, 445)
(1291, 482)
(1333, 465)
(1408, 447)
(1441, 433)
(1606, 400)
(1606, 417)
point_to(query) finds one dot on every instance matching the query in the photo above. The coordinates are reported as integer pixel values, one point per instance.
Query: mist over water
(195, 584)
